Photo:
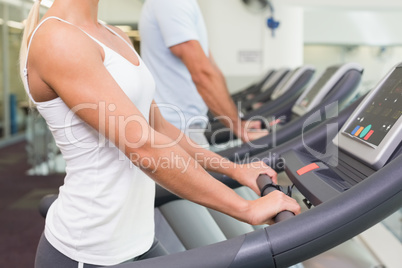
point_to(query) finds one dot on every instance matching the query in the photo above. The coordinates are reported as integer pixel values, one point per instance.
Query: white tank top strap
(32, 36)
(118, 35)
(27, 54)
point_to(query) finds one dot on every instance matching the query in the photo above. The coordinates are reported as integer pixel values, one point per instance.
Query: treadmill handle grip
(266, 186)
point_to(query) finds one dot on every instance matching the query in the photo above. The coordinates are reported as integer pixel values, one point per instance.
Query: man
(174, 45)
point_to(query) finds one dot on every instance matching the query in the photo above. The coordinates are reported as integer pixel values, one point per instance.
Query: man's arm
(211, 85)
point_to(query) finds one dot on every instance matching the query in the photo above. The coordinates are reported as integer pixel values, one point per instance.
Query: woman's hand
(247, 174)
(264, 209)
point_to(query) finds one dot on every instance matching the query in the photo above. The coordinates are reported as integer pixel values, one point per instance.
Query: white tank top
(104, 212)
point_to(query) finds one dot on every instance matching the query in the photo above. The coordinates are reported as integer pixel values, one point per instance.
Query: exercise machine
(334, 86)
(371, 151)
(283, 95)
(254, 88)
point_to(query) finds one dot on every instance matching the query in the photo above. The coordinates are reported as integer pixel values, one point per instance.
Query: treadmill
(254, 88)
(316, 138)
(318, 90)
(305, 72)
(267, 85)
(374, 153)
(335, 85)
(284, 94)
(335, 218)
(366, 143)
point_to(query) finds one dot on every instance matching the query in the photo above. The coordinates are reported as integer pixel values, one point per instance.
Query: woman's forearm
(206, 158)
(176, 170)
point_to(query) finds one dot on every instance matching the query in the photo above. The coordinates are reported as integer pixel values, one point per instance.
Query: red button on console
(307, 168)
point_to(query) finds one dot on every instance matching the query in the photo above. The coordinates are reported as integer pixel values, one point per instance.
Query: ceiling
(345, 4)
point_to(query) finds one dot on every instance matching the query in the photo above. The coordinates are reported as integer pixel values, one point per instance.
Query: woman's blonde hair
(30, 25)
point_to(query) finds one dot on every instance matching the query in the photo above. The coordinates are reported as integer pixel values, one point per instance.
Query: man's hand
(251, 135)
(251, 130)
(251, 124)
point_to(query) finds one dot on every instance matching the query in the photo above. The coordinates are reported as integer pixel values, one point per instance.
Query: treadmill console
(282, 88)
(275, 78)
(317, 92)
(309, 97)
(372, 133)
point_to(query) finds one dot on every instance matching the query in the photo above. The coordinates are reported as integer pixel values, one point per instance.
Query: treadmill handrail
(266, 186)
(293, 128)
(305, 235)
(340, 72)
(318, 134)
(280, 89)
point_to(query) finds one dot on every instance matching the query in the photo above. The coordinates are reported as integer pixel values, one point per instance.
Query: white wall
(231, 29)
(323, 26)
(234, 30)
(286, 48)
(347, 4)
(370, 38)
(120, 11)
(376, 61)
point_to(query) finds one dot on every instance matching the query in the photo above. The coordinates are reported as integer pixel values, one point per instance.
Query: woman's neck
(79, 12)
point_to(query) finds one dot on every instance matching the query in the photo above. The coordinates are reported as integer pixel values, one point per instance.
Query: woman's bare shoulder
(59, 41)
(57, 33)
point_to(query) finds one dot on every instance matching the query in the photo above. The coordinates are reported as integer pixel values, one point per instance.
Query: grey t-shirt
(165, 23)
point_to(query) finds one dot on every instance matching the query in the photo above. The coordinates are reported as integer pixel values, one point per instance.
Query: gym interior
(291, 58)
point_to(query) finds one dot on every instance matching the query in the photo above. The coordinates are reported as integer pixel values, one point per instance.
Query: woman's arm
(73, 68)
(245, 174)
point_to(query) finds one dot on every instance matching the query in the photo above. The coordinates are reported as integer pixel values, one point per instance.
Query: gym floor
(20, 222)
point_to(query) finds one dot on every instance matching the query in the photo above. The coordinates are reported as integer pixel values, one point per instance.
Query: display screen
(381, 113)
(281, 86)
(317, 86)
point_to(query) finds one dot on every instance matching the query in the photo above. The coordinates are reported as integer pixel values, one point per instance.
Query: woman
(95, 94)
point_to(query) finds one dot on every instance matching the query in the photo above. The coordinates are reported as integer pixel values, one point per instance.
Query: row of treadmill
(338, 146)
